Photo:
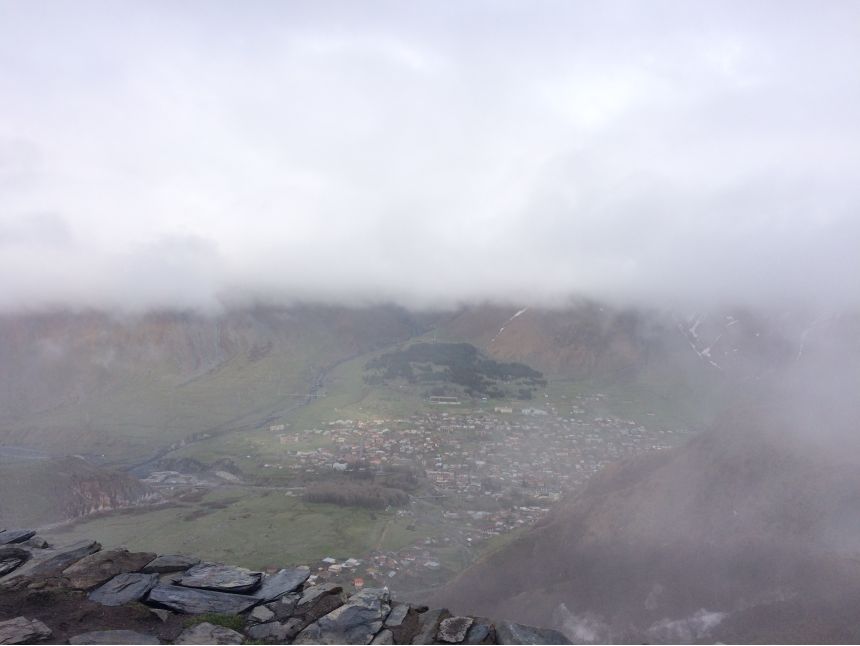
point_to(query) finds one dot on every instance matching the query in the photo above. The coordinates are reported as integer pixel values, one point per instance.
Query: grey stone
(508, 632)
(261, 615)
(38, 542)
(97, 568)
(282, 582)
(170, 563)
(385, 636)
(21, 629)
(124, 588)
(193, 601)
(271, 631)
(8, 536)
(481, 632)
(11, 558)
(355, 622)
(285, 606)
(49, 563)
(313, 593)
(206, 633)
(453, 629)
(114, 637)
(224, 578)
(428, 624)
(397, 615)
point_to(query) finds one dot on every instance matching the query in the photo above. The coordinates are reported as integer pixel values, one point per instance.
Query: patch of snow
(502, 329)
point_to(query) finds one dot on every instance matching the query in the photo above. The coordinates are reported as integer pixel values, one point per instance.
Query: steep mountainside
(751, 532)
(37, 492)
(92, 382)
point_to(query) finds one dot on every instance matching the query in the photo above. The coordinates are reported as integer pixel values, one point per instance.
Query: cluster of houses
(489, 472)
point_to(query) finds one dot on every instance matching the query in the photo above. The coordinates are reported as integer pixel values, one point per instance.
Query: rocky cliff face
(55, 490)
(79, 594)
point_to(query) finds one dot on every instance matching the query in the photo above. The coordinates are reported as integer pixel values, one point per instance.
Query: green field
(247, 526)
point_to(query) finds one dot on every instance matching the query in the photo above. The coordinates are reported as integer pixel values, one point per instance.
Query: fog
(202, 154)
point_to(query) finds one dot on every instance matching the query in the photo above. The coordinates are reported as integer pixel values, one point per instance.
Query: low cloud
(428, 154)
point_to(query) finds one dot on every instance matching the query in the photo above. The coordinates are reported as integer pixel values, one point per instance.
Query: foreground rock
(193, 602)
(50, 563)
(355, 622)
(44, 591)
(170, 563)
(282, 582)
(124, 588)
(8, 536)
(97, 568)
(114, 637)
(11, 558)
(223, 578)
(453, 630)
(510, 633)
(20, 630)
(206, 633)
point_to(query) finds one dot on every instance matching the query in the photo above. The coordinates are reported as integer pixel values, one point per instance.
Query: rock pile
(81, 594)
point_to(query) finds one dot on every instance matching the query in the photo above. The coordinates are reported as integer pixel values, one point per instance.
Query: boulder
(481, 632)
(355, 622)
(285, 607)
(273, 631)
(97, 568)
(193, 601)
(508, 632)
(206, 633)
(261, 615)
(21, 629)
(315, 603)
(428, 624)
(282, 582)
(124, 588)
(397, 615)
(224, 578)
(385, 636)
(453, 629)
(310, 595)
(170, 563)
(114, 637)
(8, 536)
(50, 563)
(11, 558)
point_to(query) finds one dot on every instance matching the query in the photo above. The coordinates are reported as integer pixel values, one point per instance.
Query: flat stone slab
(397, 615)
(453, 629)
(12, 558)
(428, 623)
(114, 637)
(52, 562)
(124, 588)
(224, 578)
(194, 602)
(97, 568)
(170, 563)
(8, 536)
(508, 632)
(21, 629)
(355, 622)
(283, 582)
(206, 633)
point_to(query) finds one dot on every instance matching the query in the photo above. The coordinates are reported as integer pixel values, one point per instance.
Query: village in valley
(483, 474)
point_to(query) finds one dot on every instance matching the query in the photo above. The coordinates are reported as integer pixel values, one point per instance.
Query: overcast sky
(195, 153)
